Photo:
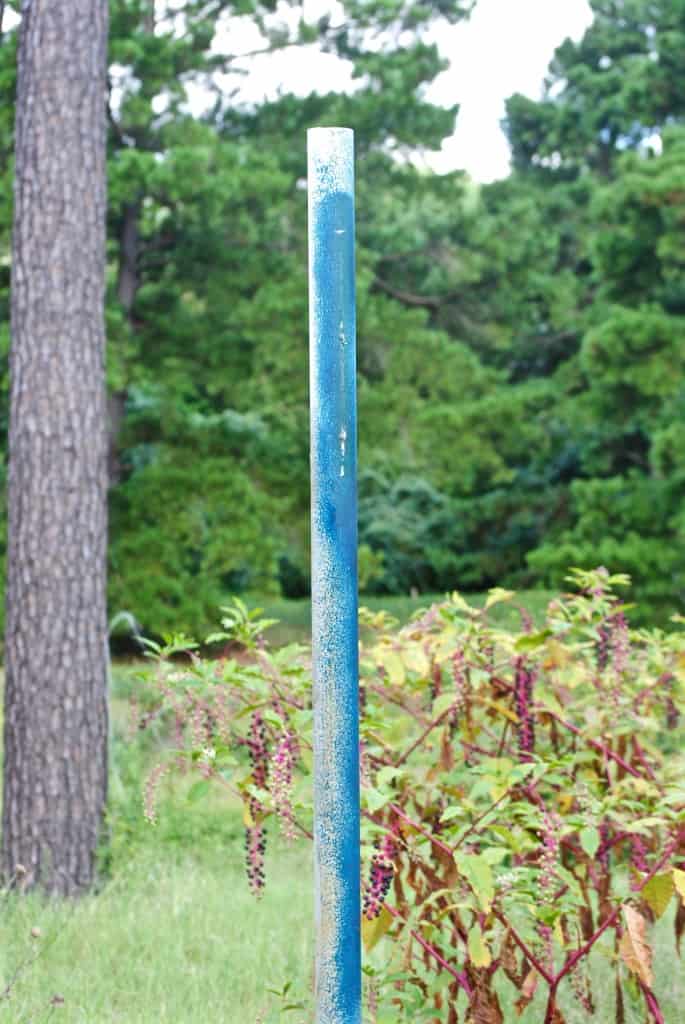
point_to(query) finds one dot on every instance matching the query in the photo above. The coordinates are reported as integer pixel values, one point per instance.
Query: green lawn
(174, 936)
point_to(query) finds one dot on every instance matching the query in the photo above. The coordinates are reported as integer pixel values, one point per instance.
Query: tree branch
(460, 978)
(408, 298)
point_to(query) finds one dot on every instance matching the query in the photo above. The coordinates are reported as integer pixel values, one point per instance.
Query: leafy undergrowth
(522, 789)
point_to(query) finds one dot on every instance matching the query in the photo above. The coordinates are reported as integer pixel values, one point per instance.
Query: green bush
(522, 792)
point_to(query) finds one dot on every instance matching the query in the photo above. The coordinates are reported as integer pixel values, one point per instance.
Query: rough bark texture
(55, 775)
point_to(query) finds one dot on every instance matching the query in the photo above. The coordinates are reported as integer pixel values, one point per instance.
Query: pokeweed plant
(523, 792)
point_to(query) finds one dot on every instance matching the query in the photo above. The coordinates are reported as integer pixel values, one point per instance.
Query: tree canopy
(521, 344)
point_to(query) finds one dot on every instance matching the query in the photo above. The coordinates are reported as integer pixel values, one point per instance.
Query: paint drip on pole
(332, 330)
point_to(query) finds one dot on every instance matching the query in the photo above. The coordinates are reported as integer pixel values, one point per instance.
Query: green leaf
(216, 638)
(495, 854)
(302, 718)
(658, 892)
(478, 874)
(374, 799)
(459, 602)
(416, 660)
(532, 641)
(442, 704)
(373, 931)
(478, 950)
(498, 594)
(198, 790)
(393, 665)
(387, 774)
(590, 840)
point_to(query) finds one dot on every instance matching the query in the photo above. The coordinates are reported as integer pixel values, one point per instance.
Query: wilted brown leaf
(484, 1007)
(634, 947)
(527, 991)
(509, 960)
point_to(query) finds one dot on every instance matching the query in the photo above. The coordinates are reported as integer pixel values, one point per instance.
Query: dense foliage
(524, 807)
(521, 345)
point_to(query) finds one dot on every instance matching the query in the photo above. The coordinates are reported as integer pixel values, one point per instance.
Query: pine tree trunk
(55, 770)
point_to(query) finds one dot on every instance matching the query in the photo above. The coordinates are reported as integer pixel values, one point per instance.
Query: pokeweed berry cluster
(547, 878)
(461, 683)
(282, 783)
(380, 876)
(603, 647)
(524, 678)
(152, 784)
(255, 833)
(620, 642)
(638, 860)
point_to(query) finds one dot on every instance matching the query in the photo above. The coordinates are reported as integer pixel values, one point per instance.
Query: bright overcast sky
(505, 47)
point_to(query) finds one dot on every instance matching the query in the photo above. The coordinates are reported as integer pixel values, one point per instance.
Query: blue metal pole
(332, 331)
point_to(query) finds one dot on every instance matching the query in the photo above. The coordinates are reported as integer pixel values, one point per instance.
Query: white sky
(505, 47)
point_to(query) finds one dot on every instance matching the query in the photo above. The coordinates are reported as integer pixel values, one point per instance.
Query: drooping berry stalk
(620, 643)
(524, 679)
(582, 989)
(255, 834)
(199, 726)
(548, 877)
(551, 828)
(152, 784)
(255, 847)
(380, 876)
(460, 683)
(602, 647)
(638, 860)
(282, 784)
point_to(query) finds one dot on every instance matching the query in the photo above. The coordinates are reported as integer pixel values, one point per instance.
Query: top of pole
(331, 161)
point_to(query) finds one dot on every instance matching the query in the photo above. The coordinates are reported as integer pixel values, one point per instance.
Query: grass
(175, 936)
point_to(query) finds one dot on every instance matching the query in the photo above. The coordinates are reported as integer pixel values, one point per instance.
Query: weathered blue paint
(334, 574)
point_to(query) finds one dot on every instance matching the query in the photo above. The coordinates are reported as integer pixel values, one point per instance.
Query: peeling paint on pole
(334, 574)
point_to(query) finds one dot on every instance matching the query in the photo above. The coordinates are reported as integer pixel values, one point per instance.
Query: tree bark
(55, 770)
